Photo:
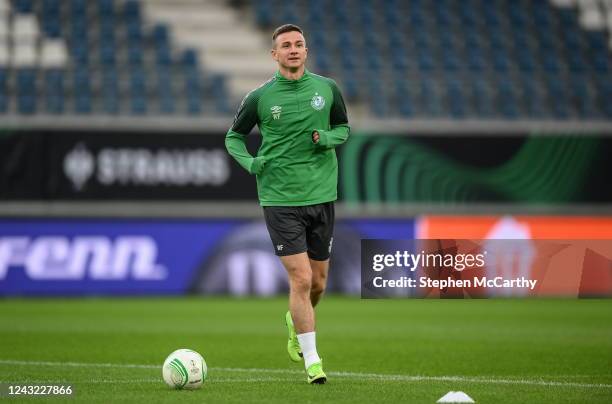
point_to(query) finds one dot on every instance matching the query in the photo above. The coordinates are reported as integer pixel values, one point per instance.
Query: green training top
(291, 170)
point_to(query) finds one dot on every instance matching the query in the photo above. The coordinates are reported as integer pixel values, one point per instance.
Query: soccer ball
(184, 369)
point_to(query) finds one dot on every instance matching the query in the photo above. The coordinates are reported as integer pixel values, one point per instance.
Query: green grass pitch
(497, 351)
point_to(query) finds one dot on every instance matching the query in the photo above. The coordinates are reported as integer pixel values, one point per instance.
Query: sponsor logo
(144, 167)
(279, 247)
(93, 257)
(276, 112)
(79, 165)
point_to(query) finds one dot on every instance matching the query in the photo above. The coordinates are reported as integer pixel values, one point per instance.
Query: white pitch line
(157, 380)
(373, 376)
(77, 364)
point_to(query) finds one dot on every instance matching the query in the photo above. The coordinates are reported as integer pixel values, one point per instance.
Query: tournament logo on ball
(317, 102)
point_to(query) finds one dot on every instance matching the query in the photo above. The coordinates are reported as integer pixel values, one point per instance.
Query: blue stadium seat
(427, 98)
(4, 102)
(108, 55)
(471, 40)
(135, 56)
(50, 8)
(350, 89)
(167, 105)
(26, 104)
(475, 60)
(467, 16)
(23, 6)
(529, 99)
(134, 34)
(131, 10)
(50, 18)
(289, 12)
(263, 13)
(81, 81)
(505, 100)
(525, 61)
(110, 91)
(604, 96)
(78, 31)
(80, 53)
(541, 15)
(517, 16)
(379, 107)
(52, 29)
(399, 61)
(451, 62)
(160, 34)
(402, 97)
(576, 62)
(110, 102)
(189, 58)
(192, 83)
(425, 61)
(580, 99)
(79, 6)
(4, 76)
(26, 81)
(373, 61)
(219, 91)
(54, 103)
(550, 62)
(138, 83)
(165, 90)
(454, 99)
(138, 105)
(163, 55)
(106, 7)
(322, 63)
(349, 61)
(54, 81)
(601, 62)
(501, 62)
(557, 98)
(194, 105)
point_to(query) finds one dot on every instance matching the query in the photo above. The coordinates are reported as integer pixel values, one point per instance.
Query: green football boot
(293, 345)
(315, 373)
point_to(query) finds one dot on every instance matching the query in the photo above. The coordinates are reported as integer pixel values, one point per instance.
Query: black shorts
(295, 229)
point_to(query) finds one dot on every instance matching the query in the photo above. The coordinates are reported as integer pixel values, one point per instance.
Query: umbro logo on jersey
(276, 111)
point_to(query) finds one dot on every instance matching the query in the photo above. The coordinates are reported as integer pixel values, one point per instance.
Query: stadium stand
(484, 59)
(508, 59)
(97, 57)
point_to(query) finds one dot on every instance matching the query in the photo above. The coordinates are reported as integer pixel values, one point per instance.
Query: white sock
(309, 348)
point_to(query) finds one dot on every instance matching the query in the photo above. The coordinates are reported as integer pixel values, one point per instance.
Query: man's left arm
(338, 120)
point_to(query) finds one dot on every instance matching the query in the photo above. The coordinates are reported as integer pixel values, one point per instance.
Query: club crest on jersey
(276, 111)
(317, 102)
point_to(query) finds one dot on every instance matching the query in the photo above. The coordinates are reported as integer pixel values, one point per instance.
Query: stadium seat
(23, 6)
(475, 58)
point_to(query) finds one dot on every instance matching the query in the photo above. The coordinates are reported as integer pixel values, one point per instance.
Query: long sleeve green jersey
(291, 169)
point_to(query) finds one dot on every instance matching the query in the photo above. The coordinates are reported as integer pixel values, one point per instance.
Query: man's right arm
(235, 139)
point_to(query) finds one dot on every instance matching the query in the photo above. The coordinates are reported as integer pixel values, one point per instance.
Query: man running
(302, 118)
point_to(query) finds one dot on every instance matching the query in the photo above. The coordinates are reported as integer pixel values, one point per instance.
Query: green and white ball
(184, 369)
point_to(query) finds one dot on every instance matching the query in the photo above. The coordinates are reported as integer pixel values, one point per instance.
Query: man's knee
(301, 281)
(317, 288)
(319, 283)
